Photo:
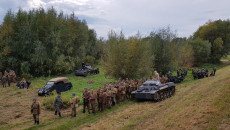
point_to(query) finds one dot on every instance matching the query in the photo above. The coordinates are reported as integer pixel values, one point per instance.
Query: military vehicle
(60, 84)
(87, 70)
(154, 90)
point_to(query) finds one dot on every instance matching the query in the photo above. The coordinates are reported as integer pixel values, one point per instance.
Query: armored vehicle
(154, 90)
(60, 84)
(86, 70)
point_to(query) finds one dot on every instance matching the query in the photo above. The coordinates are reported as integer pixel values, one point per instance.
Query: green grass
(81, 119)
(79, 83)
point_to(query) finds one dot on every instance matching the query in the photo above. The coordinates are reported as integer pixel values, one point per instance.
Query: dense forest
(42, 43)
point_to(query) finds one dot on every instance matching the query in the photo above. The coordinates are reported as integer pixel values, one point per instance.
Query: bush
(89, 60)
(48, 102)
(126, 58)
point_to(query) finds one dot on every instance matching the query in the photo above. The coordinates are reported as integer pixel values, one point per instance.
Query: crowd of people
(7, 77)
(181, 73)
(201, 73)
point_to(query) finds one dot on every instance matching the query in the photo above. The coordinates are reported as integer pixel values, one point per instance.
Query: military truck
(154, 90)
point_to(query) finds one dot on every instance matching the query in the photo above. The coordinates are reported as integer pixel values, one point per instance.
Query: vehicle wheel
(161, 96)
(173, 90)
(68, 88)
(156, 97)
(165, 94)
(85, 74)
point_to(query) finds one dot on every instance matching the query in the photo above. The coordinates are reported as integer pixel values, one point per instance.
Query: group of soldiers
(58, 104)
(7, 77)
(110, 94)
(181, 73)
(201, 73)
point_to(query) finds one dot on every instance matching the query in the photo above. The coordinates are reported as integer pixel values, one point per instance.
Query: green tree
(201, 49)
(211, 31)
(217, 48)
(126, 58)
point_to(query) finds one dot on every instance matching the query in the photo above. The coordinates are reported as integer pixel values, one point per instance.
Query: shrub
(48, 102)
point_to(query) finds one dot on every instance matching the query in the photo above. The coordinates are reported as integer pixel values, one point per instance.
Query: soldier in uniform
(108, 101)
(4, 80)
(74, 104)
(114, 93)
(85, 97)
(58, 104)
(156, 75)
(214, 70)
(178, 73)
(100, 101)
(92, 99)
(1, 75)
(98, 93)
(104, 99)
(35, 110)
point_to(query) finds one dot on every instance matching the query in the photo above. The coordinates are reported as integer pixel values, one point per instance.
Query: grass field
(199, 104)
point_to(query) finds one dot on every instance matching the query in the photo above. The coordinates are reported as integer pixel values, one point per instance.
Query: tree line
(39, 42)
(42, 43)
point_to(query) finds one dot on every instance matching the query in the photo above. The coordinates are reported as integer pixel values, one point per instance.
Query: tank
(154, 90)
(87, 70)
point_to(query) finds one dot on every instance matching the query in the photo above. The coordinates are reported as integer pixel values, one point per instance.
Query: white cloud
(131, 16)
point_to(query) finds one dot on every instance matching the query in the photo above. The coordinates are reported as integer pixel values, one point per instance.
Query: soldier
(157, 76)
(6, 74)
(74, 104)
(35, 110)
(178, 73)
(108, 101)
(104, 98)
(98, 93)
(1, 75)
(100, 101)
(92, 99)
(85, 97)
(169, 75)
(114, 93)
(58, 104)
(214, 70)
(4, 80)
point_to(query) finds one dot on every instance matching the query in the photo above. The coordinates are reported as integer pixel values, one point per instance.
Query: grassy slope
(197, 105)
(200, 104)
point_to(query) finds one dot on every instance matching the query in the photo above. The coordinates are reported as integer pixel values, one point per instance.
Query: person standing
(100, 101)
(74, 104)
(85, 97)
(35, 110)
(58, 104)
(214, 71)
(92, 99)
(156, 75)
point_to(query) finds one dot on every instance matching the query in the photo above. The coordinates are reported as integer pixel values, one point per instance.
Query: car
(154, 90)
(59, 84)
(87, 70)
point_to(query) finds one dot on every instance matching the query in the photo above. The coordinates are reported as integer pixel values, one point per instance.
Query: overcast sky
(131, 16)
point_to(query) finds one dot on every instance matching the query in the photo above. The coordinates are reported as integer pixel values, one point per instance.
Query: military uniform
(108, 100)
(58, 105)
(35, 110)
(100, 101)
(214, 71)
(92, 99)
(104, 99)
(74, 105)
(114, 93)
(85, 97)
